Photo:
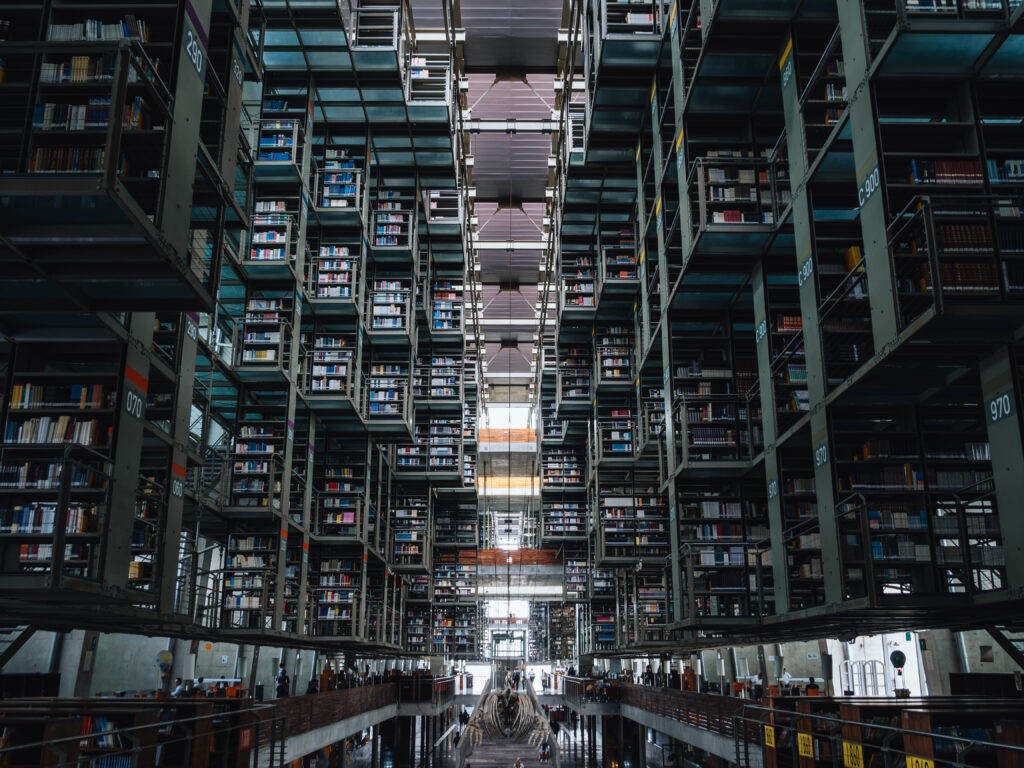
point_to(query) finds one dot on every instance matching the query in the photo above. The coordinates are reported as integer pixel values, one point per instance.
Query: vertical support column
(884, 317)
(1003, 419)
(188, 336)
(769, 425)
(127, 450)
(814, 351)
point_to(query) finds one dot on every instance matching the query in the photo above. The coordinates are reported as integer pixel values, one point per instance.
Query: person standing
(786, 680)
(283, 682)
(758, 686)
(648, 675)
(179, 690)
(515, 680)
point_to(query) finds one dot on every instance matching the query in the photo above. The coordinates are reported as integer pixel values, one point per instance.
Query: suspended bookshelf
(564, 516)
(342, 188)
(562, 631)
(258, 460)
(337, 273)
(446, 308)
(389, 310)
(337, 580)
(456, 631)
(340, 479)
(332, 365)
(417, 630)
(613, 347)
(274, 233)
(428, 78)
(266, 332)
(33, 509)
(724, 530)
(574, 377)
(801, 529)
(577, 571)
(248, 580)
(563, 468)
(619, 262)
(632, 518)
(578, 293)
(411, 534)
(393, 234)
(614, 435)
(386, 397)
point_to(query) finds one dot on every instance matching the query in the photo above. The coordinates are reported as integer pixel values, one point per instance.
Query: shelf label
(821, 454)
(291, 430)
(773, 489)
(194, 41)
(761, 331)
(853, 755)
(806, 268)
(177, 479)
(919, 762)
(868, 181)
(769, 736)
(236, 66)
(135, 388)
(805, 744)
(999, 406)
(191, 327)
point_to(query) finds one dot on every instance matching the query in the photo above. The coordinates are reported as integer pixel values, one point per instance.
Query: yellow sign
(769, 736)
(853, 755)
(919, 762)
(805, 744)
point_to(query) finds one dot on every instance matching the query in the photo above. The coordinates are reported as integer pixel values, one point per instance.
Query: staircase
(503, 755)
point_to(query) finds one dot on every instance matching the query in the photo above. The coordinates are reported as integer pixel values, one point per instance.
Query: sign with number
(191, 328)
(134, 400)
(177, 479)
(868, 187)
(236, 67)
(761, 331)
(193, 38)
(821, 455)
(805, 744)
(786, 64)
(773, 489)
(999, 407)
(804, 271)
(919, 762)
(769, 736)
(853, 755)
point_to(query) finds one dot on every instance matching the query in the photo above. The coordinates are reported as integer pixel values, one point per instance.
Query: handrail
(463, 750)
(551, 740)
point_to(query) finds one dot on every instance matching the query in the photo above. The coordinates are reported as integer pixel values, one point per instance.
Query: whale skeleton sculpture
(507, 716)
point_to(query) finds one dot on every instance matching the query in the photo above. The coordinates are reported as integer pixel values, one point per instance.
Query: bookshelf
(248, 580)
(576, 567)
(613, 351)
(651, 425)
(341, 188)
(578, 289)
(147, 527)
(443, 206)
(615, 435)
(563, 469)
(389, 309)
(552, 427)
(602, 610)
(332, 365)
(631, 519)
(538, 639)
(337, 276)
(274, 235)
(714, 366)
(340, 478)
(266, 332)
(619, 263)
(417, 629)
(441, 380)
(564, 517)
(386, 396)
(411, 533)
(786, 349)
(337, 576)
(723, 530)
(428, 79)
(54, 505)
(631, 19)
(731, 188)
(394, 225)
(469, 470)
(258, 456)
(456, 629)
(446, 308)
(574, 381)
(562, 631)
(824, 98)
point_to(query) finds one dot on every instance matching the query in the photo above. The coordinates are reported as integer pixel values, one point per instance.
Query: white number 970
(999, 407)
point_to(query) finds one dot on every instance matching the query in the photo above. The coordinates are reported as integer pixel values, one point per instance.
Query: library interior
(502, 383)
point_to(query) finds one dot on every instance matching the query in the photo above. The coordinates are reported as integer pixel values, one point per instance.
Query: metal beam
(15, 645)
(1007, 645)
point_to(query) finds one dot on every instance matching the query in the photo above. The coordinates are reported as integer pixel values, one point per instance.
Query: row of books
(40, 517)
(61, 429)
(958, 172)
(94, 29)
